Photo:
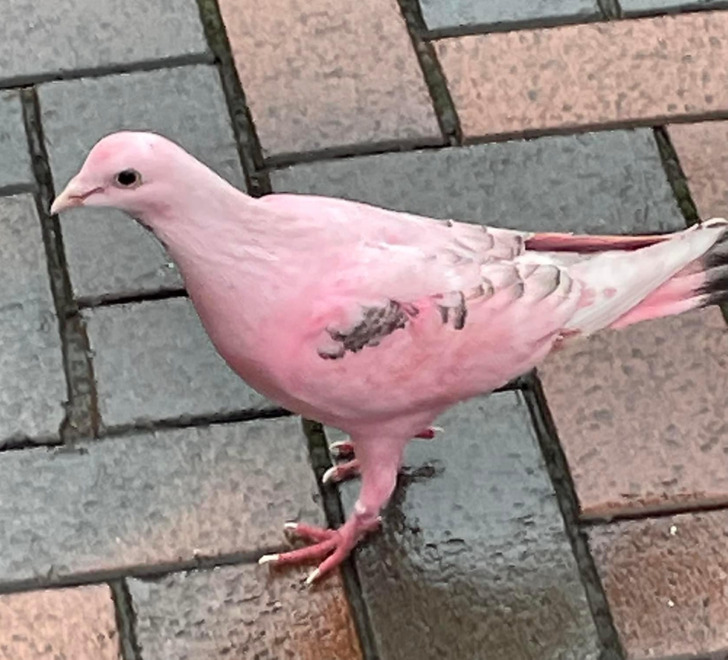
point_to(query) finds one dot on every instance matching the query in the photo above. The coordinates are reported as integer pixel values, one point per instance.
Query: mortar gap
(445, 111)
(125, 620)
(320, 461)
(248, 143)
(558, 469)
(81, 419)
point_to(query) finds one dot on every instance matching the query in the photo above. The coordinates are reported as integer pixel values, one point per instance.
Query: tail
(633, 279)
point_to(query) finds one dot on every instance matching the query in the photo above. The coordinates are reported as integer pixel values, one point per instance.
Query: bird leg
(379, 463)
(350, 469)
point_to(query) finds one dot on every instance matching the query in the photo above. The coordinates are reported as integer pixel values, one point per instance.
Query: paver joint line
(249, 148)
(82, 418)
(563, 484)
(125, 620)
(447, 116)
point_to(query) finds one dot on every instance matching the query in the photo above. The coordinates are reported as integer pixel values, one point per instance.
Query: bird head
(128, 170)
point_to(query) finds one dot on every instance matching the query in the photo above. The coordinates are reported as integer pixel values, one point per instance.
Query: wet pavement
(579, 515)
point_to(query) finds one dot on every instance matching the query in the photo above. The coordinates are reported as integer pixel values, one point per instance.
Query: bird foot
(333, 544)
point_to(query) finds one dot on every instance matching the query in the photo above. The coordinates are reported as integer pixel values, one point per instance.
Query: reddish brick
(578, 75)
(703, 152)
(665, 582)
(243, 612)
(641, 413)
(324, 73)
(63, 623)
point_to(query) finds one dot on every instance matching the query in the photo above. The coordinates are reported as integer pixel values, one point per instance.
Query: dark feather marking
(376, 324)
(444, 313)
(461, 312)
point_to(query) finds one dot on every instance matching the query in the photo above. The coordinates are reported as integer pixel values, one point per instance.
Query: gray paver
(473, 557)
(242, 612)
(459, 13)
(14, 156)
(32, 384)
(153, 360)
(108, 252)
(153, 498)
(608, 182)
(42, 39)
(644, 6)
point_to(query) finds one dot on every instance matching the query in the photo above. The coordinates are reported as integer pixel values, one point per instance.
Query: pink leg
(346, 447)
(379, 462)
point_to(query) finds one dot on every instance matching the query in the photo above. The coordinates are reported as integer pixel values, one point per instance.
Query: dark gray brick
(153, 360)
(153, 498)
(46, 38)
(473, 560)
(651, 6)
(14, 156)
(108, 252)
(32, 384)
(242, 612)
(459, 13)
(597, 182)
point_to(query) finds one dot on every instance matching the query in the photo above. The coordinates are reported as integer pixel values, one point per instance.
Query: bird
(374, 321)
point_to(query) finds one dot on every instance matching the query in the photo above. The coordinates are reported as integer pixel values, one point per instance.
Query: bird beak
(72, 195)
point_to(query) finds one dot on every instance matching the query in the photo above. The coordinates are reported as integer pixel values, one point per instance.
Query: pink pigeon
(373, 321)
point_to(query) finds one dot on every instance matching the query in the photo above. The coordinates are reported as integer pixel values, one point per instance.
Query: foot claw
(342, 448)
(313, 576)
(429, 433)
(340, 472)
(269, 559)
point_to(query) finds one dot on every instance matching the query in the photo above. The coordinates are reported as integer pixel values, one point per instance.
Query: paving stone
(49, 39)
(242, 612)
(63, 623)
(325, 73)
(703, 153)
(582, 75)
(14, 157)
(596, 182)
(153, 498)
(644, 6)
(108, 253)
(153, 360)
(665, 582)
(641, 413)
(473, 554)
(32, 384)
(440, 14)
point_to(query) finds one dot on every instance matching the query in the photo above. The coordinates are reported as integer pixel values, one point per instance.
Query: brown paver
(640, 413)
(588, 74)
(665, 582)
(325, 73)
(243, 612)
(702, 149)
(74, 623)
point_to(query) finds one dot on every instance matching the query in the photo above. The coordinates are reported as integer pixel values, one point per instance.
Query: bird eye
(128, 178)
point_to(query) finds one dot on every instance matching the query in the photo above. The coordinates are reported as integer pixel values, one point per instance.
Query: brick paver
(14, 158)
(48, 39)
(74, 623)
(703, 152)
(107, 252)
(641, 413)
(440, 14)
(630, 7)
(239, 612)
(665, 579)
(321, 74)
(473, 554)
(153, 498)
(32, 385)
(153, 360)
(639, 70)
(609, 182)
